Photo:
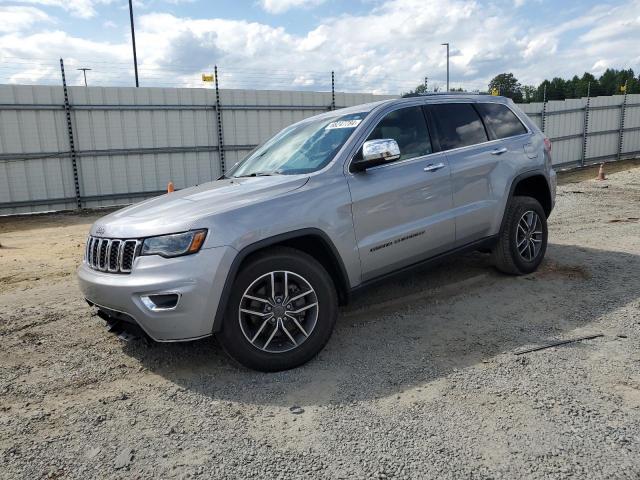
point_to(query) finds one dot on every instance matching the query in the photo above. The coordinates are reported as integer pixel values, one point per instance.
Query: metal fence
(589, 130)
(64, 148)
(97, 146)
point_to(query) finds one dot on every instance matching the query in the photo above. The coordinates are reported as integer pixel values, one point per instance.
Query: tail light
(547, 153)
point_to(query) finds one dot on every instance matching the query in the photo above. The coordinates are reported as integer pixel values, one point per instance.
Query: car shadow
(410, 331)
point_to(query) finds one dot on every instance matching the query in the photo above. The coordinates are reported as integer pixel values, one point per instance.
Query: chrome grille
(112, 255)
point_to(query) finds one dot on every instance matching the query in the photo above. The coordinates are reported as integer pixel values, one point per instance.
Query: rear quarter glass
(500, 120)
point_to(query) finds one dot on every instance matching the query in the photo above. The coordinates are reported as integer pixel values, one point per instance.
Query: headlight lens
(174, 245)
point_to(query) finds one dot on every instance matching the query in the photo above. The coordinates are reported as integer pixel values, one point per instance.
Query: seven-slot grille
(111, 254)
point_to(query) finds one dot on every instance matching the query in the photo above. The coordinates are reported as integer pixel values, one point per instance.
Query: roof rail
(430, 94)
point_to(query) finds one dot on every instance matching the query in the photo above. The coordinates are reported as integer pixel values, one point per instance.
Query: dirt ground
(420, 379)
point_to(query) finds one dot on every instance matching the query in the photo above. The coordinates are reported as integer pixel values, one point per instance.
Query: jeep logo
(100, 230)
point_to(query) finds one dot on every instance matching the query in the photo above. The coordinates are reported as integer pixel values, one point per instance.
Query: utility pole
(84, 72)
(447, 45)
(333, 90)
(133, 42)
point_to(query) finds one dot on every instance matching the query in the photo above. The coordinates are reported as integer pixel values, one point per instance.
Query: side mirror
(377, 152)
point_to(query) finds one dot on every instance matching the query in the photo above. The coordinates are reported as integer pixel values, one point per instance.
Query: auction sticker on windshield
(343, 124)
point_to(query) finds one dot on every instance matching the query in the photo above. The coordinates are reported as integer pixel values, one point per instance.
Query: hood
(188, 208)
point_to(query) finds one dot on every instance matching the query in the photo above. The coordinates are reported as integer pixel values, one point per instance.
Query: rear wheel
(282, 311)
(522, 241)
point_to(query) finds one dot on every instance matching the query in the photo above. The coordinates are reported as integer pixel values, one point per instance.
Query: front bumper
(198, 279)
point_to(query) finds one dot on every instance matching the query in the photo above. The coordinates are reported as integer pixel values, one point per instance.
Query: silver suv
(263, 256)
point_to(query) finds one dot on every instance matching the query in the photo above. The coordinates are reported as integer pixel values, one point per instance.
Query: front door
(402, 211)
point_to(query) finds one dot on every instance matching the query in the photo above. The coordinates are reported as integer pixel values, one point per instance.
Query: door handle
(432, 167)
(499, 151)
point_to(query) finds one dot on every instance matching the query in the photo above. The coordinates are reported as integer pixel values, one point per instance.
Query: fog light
(161, 301)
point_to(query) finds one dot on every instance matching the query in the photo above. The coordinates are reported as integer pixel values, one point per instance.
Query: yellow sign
(495, 92)
(207, 77)
(623, 88)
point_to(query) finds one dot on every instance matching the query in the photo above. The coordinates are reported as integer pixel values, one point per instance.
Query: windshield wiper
(258, 174)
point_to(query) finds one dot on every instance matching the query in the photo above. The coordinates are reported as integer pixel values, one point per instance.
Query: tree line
(611, 82)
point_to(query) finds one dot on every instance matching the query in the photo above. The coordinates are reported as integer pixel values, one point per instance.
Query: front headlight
(174, 245)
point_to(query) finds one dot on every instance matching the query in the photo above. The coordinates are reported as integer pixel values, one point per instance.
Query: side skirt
(485, 243)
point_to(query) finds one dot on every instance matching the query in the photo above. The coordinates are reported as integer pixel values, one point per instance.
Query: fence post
(623, 111)
(333, 90)
(219, 121)
(585, 127)
(72, 148)
(544, 109)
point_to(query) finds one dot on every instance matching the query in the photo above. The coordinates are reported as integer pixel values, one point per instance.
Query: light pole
(447, 45)
(84, 72)
(133, 42)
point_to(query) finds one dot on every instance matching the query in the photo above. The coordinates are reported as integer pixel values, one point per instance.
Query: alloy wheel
(278, 311)
(529, 235)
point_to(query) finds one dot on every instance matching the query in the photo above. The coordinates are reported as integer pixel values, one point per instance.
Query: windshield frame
(327, 118)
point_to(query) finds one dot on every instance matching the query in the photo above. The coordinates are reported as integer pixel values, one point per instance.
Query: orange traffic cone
(170, 187)
(601, 173)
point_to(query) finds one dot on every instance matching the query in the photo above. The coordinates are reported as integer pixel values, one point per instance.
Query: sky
(380, 46)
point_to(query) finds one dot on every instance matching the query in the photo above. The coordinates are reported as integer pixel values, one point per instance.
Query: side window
(500, 121)
(408, 127)
(457, 125)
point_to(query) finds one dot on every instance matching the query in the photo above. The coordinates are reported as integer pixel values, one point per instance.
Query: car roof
(452, 97)
(427, 98)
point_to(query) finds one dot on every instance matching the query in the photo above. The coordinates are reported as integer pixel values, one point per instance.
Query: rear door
(402, 210)
(481, 165)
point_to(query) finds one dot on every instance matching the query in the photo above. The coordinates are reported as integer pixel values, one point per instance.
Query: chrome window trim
(400, 162)
(529, 132)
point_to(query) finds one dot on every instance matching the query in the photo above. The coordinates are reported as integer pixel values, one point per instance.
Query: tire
(305, 336)
(511, 255)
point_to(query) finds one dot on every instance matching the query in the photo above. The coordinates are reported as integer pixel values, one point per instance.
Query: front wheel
(522, 241)
(281, 312)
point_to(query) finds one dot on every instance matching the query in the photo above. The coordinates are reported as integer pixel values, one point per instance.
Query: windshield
(301, 148)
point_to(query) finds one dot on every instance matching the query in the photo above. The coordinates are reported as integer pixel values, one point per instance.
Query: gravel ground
(419, 380)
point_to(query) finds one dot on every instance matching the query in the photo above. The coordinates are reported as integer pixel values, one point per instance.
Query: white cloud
(520, 3)
(281, 6)
(600, 66)
(391, 48)
(39, 54)
(78, 8)
(614, 25)
(303, 80)
(15, 18)
(540, 46)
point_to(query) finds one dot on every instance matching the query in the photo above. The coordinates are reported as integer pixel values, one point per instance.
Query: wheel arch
(535, 185)
(312, 241)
